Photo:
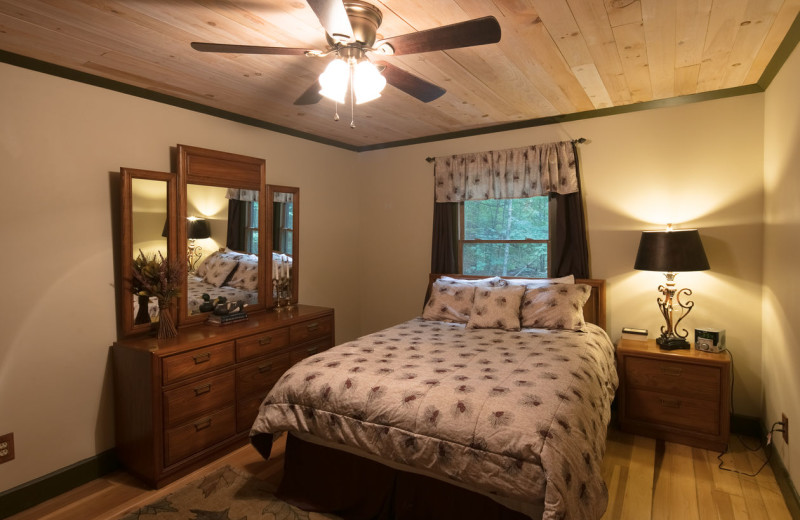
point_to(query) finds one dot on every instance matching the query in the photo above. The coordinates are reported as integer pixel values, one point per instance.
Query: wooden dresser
(680, 395)
(184, 401)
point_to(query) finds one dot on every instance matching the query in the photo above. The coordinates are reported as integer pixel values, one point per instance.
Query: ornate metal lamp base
(672, 343)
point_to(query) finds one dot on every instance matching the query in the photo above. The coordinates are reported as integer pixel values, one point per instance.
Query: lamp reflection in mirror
(365, 80)
(196, 228)
(672, 251)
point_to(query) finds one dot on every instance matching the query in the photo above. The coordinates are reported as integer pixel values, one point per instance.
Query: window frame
(551, 207)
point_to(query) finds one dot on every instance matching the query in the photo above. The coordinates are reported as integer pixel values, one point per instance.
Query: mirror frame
(271, 191)
(226, 170)
(125, 319)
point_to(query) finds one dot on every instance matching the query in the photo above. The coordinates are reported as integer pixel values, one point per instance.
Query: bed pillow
(480, 282)
(557, 306)
(219, 267)
(245, 276)
(539, 282)
(496, 308)
(449, 302)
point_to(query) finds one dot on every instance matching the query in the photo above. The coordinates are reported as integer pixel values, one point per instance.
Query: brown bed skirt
(326, 480)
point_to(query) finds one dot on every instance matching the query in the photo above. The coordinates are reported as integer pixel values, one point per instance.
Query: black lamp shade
(198, 228)
(671, 251)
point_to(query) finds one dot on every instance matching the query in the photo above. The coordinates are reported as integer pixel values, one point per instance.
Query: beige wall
(59, 141)
(696, 165)
(365, 228)
(781, 365)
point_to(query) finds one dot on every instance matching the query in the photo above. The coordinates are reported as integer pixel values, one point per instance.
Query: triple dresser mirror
(237, 236)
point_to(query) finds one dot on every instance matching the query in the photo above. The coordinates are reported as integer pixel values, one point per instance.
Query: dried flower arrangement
(155, 276)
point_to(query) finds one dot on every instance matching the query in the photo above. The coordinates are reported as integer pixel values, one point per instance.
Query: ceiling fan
(350, 28)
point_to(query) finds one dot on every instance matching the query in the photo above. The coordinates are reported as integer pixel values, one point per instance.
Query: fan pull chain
(352, 101)
(335, 111)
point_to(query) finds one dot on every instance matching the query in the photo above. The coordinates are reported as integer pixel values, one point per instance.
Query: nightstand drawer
(690, 380)
(198, 361)
(687, 413)
(260, 344)
(198, 398)
(202, 433)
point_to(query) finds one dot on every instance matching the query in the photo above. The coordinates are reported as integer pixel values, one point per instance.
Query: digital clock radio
(709, 340)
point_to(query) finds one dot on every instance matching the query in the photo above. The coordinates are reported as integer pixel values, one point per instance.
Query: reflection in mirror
(283, 243)
(222, 249)
(148, 237)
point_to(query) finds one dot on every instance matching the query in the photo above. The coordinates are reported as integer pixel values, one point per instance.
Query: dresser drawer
(686, 413)
(260, 344)
(196, 362)
(206, 431)
(258, 377)
(690, 380)
(311, 329)
(309, 349)
(193, 400)
(247, 410)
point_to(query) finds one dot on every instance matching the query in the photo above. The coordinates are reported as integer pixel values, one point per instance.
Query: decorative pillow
(218, 268)
(203, 267)
(245, 276)
(555, 307)
(496, 308)
(449, 302)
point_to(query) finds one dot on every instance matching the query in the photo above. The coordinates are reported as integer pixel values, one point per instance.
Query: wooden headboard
(594, 311)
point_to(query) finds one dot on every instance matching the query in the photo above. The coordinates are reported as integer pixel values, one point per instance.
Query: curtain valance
(243, 195)
(507, 174)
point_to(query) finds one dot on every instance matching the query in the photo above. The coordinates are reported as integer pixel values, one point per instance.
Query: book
(224, 319)
(634, 334)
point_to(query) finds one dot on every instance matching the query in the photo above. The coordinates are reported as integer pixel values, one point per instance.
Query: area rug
(225, 494)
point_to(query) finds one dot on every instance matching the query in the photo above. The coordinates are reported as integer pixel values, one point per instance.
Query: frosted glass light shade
(334, 80)
(368, 82)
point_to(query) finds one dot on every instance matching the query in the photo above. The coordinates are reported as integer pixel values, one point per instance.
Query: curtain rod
(579, 140)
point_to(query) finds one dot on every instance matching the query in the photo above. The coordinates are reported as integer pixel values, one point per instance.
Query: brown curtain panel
(570, 250)
(236, 214)
(444, 256)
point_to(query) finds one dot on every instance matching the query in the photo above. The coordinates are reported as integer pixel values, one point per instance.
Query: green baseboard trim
(44, 488)
(788, 490)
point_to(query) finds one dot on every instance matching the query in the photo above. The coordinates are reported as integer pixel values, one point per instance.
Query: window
(284, 227)
(250, 225)
(506, 237)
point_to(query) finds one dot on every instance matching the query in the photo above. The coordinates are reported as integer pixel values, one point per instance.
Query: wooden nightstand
(680, 395)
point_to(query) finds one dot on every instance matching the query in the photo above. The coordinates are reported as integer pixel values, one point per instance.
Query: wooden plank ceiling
(556, 56)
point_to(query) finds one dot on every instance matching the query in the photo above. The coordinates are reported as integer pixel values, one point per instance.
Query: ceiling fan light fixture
(334, 80)
(368, 83)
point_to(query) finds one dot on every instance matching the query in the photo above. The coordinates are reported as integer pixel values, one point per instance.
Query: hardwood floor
(645, 478)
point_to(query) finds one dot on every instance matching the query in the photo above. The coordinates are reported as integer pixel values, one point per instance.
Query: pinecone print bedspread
(515, 414)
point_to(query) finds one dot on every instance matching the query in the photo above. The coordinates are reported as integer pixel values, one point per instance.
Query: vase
(143, 314)
(166, 326)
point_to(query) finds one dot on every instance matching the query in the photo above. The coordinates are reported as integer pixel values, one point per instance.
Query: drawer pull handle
(670, 403)
(202, 358)
(200, 390)
(265, 340)
(202, 425)
(312, 350)
(671, 371)
(312, 327)
(264, 368)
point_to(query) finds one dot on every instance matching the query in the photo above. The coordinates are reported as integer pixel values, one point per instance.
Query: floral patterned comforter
(516, 414)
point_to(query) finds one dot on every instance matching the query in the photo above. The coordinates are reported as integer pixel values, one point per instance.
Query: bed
(462, 412)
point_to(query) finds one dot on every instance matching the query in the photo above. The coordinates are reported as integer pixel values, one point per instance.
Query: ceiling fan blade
(409, 83)
(479, 31)
(246, 49)
(311, 95)
(333, 17)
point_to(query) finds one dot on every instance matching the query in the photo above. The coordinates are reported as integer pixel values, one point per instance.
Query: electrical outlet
(6, 447)
(785, 421)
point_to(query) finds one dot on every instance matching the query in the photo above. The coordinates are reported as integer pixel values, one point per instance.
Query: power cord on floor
(761, 444)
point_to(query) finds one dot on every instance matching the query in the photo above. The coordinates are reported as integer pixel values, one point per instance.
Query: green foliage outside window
(507, 237)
